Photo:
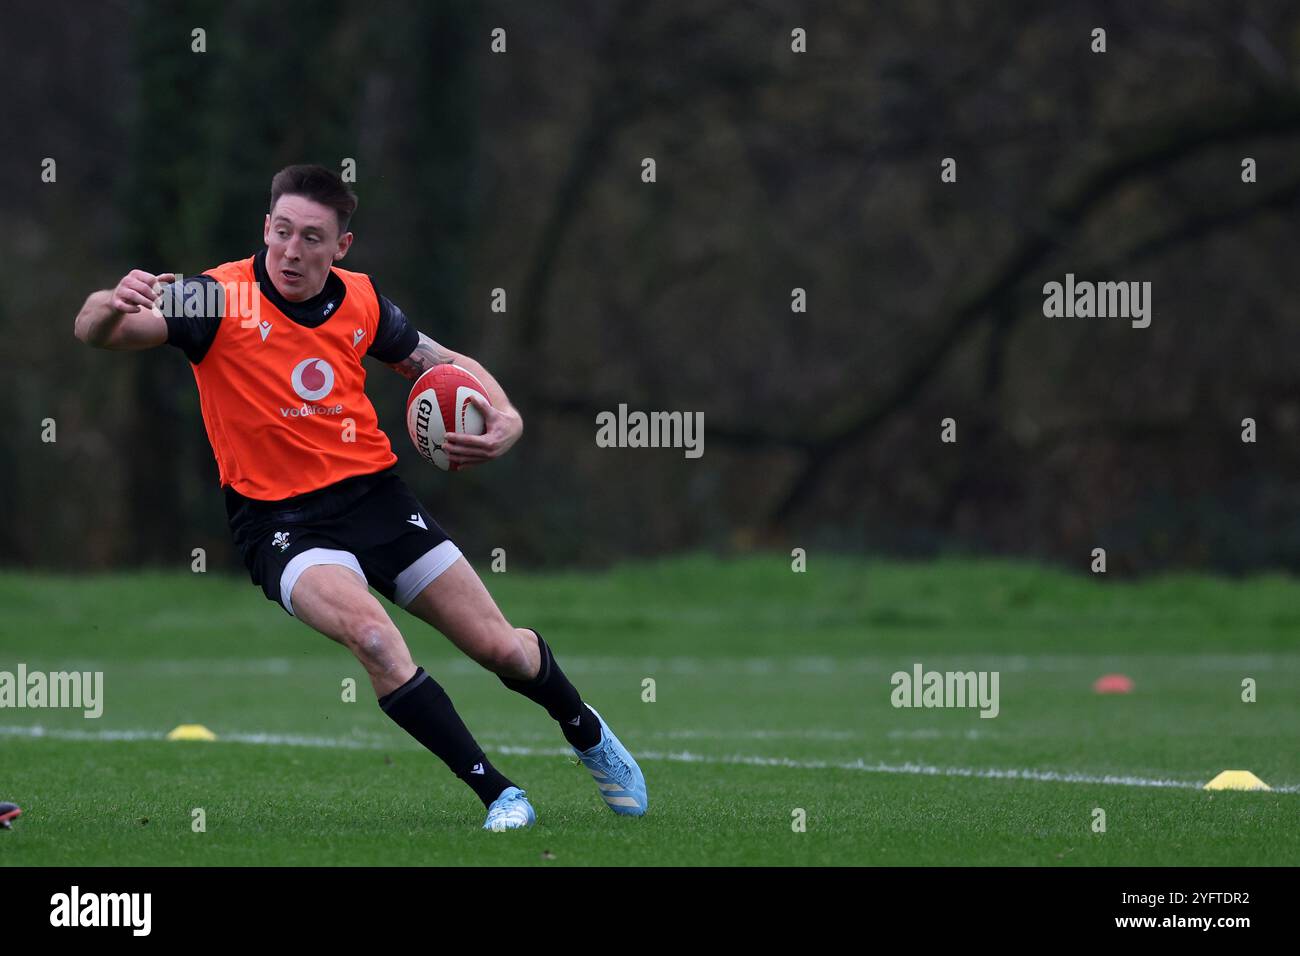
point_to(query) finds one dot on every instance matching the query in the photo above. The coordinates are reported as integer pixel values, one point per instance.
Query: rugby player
(314, 506)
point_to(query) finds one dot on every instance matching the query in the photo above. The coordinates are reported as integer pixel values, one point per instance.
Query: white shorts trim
(310, 558)
(408, 585)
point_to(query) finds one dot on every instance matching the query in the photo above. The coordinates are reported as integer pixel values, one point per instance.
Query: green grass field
(772, 693)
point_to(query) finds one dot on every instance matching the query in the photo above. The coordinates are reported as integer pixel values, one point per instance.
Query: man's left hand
(502, 428)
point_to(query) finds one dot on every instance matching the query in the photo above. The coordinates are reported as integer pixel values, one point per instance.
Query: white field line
(681, 756)
(750, 666)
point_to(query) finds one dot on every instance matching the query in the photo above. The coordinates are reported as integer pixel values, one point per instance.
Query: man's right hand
(125, 318)
(139, 289)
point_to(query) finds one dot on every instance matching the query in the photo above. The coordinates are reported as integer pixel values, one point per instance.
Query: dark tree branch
(1272, 116)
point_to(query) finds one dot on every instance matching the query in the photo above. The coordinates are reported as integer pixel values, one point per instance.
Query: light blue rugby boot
(621, 783)
(510, 811)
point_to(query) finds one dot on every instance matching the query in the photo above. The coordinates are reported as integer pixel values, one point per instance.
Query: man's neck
(312, 311)
(289, 298)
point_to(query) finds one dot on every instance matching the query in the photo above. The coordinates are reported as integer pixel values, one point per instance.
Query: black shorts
(372, 524)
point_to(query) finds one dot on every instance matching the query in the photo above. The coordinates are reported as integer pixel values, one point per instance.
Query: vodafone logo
(313, 379)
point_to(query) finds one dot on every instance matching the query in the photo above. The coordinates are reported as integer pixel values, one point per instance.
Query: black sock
(552, 690)
(422, 708)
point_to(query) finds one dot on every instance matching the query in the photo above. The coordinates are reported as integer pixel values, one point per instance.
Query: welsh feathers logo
(312, 379)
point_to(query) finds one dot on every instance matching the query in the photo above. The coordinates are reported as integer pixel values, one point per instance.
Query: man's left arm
(502, 422)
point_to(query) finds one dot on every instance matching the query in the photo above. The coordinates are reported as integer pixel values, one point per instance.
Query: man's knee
(500, 654)
(377, 644)
(501, 650)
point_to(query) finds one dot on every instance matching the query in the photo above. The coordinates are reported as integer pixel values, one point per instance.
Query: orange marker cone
(1113, 684)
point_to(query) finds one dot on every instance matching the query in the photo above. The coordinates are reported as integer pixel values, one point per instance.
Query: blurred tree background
(776, 170)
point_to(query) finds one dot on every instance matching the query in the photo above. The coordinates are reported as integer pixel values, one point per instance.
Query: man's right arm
(125, 318)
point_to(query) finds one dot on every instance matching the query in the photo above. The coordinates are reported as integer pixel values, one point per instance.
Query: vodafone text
(303, 411)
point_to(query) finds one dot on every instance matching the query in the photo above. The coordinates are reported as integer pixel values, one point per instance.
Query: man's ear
(345, 243)
(266, 230)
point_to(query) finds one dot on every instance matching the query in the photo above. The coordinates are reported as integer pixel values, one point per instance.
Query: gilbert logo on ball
(439, 403)
(313, 379)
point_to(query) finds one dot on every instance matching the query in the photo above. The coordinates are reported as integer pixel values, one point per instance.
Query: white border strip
(311, 558)
(408, 585)
(681, 756)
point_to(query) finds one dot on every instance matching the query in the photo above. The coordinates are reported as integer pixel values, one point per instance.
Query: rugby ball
(439, 403)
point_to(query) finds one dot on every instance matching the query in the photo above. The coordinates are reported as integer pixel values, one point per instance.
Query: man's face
(302, 242)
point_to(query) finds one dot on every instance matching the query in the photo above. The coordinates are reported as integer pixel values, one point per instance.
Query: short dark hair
(319, 185)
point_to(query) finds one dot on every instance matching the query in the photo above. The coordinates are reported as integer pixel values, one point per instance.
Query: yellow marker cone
(191, 732)
(1237, 780)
